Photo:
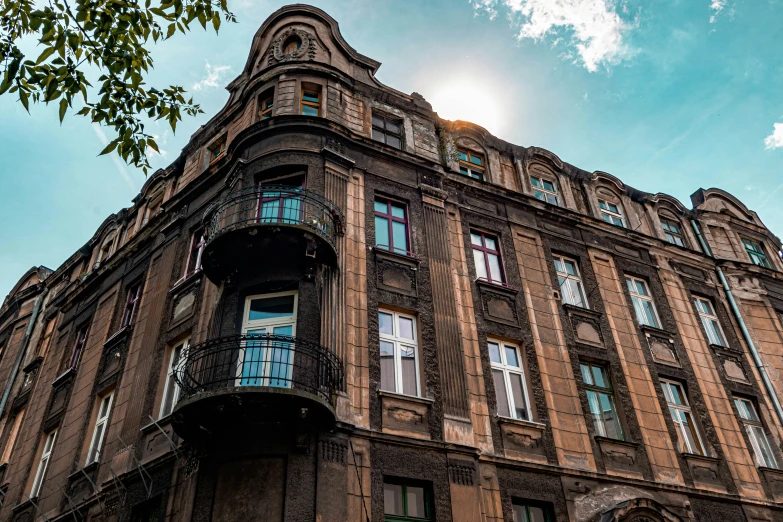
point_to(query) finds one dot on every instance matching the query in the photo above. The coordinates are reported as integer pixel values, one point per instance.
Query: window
(46, 338)
(544, 190)
(153, 206)
(266, 103)
(611, 213)
(680, 410)
(131, 304)
(267, 360)
(9, 444)
(406, 501)
(710, 322)
(217, 148)
(756, 434)
(673, 232)
(570, 282)
(292, 44)
(311, 102)
(600, 398)
(195, 250)
(509, 379)
(171, 388)
(756, 253)
(525, 511)
(642, 302)
(101, 423)
(391, 226)
(471, 164)
(105, 252)
(399, 352)
(43, 463)
(78, 347)
(387, 130)
(486, 256)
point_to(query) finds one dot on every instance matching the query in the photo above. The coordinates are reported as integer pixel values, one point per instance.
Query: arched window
(672, 230)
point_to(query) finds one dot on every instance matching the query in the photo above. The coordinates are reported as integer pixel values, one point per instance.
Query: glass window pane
(309, 111)
(392, 499)
(598, 377)
(310, 96)
(377, 121)
(490, 243)
(104, 407)
(511, 356)
(570, 267)
(406, 328)
(617, 221)
(494, 268)
(764, 455)
(575, 287)
(630, 285)
(271, 307)
(535, 182)
(382, 232)
(400, 237)
(475, 239)
(378, 135)
(408, 370)
(539, 195)
(611, 422)
(549, 186)
(536, 514)
(641, 288)
(520, 513)
(675, 394)
(559, 265)
(476, 160)
(649, 311)
(517, 392)
(501, 393)
(381, 206)
(385, 323)
(96, 443)
(552, 199)
(595, 410)
(587, 376)
(393, 141)
(416, 502)
(480, 262)
(689, 429)
(398, 211)
(494, 353)
(387, 367)
(393, 126)
(463, 156)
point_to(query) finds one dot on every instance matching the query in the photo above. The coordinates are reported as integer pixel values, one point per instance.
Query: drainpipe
(745, 333)
(20, 354)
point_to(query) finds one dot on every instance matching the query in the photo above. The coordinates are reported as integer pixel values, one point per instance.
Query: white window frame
(544, 192)
(603, 206)
(756, 433)
(707, 315)
(683, 409)
(43, 463)
(101, 421)
(202, 243)
(400, 342)
(669, 235)
(638, 309)
(508, 369)
(568, 296)
(269, 325)
(170, 384)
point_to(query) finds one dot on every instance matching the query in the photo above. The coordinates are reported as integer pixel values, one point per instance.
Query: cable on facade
(359, 480)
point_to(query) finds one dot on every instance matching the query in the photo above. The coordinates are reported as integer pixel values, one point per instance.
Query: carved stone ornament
(306, 49)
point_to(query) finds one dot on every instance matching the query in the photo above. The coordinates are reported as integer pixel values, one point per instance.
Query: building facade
(336, 306)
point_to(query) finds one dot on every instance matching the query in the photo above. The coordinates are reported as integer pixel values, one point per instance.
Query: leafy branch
(111, 36)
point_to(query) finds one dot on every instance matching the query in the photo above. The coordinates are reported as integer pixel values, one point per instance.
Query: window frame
(486, 251)
(101, 421)
(390, 218)
(217, 149)
(474, 171)
(192, 247)
(507, 370)
(78, 346)
(708, 316)
(685, 409)
(541, 189)
(43, 463)
(545, 507)
(606, 212)
(599, 424)
(170, 385)
(750, 424)
(756, 252)
(399, 342)
(264, 113)
(429, 505)
(635, 295)
(306, 103)
(131, 306)
(384, 130)
(569, 277)
(13, 434)
(671, 236)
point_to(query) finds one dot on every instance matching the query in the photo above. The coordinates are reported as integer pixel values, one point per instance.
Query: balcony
(246, 381)
(268, 224)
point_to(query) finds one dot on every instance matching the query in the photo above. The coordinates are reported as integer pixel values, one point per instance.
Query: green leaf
(46, 54)
(171, 29)
(23, 99)
(63, 108)
(110, 147)
(216, 21)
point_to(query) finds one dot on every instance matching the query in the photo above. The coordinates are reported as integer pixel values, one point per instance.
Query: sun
(467, 102)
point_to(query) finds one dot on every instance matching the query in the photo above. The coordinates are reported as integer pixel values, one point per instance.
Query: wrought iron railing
(274, 205)
(277, 361)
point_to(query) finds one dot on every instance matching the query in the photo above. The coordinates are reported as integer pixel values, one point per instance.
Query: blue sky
(669, 96)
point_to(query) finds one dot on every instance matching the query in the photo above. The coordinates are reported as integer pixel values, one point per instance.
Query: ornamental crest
(293, 44)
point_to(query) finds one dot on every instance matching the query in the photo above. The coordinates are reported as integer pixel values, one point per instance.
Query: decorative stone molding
(184, 303)
(662, 350)
(462, 472)
(333, 451)
(620, 457)
(705, 471)
(114, 351)
(586, 325)
(306, 50)
(157, 438)
(405, 415)
(396, 272)
(731, 364)
(774, 478)
(523, 439)
(499, 303)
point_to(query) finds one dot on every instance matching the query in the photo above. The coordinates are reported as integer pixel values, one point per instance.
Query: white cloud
(717, 6)
(159, 140)
(775, 140)
(598, 31)
(211, 77)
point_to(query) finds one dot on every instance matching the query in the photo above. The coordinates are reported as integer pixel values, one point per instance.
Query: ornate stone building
(336, 306)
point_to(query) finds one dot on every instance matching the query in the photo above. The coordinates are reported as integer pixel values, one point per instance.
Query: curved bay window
(263, 361)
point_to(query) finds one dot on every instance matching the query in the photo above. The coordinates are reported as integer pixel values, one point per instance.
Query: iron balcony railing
(274, 205)
(277, 361)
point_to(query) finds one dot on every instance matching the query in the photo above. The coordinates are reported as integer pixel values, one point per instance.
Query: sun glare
(462, 101)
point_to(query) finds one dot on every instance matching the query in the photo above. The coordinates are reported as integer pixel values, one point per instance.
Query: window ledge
(695, 456)
(772, 471)
(600, 439)
(184, 281)
(407, 259)
(119, 335)
(579, 310)
(64, 376)
(151, 427)
(519, 422)
(89, 468)
(652, 330)
(510, 290)
(400, 396)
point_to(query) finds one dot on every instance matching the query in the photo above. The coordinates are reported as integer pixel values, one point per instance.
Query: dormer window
(756, 253)
(611, 213)
(387, 130)
(153, 206)
(673, 232)
(311, 101)
(544, 190)
(471, 164)
(217, 149)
